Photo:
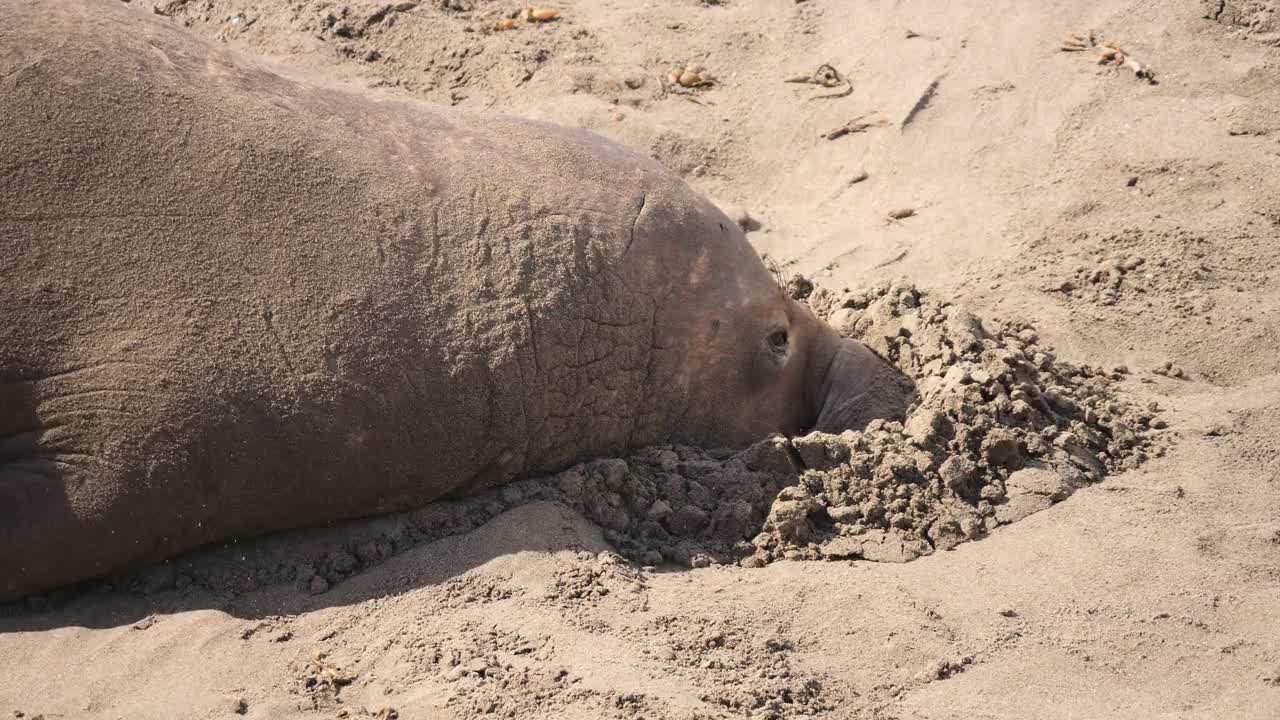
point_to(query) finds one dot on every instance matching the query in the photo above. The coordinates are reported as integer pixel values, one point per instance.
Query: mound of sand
(1254, 16)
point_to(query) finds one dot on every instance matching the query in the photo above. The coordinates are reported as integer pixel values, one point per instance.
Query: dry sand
(1090, 219)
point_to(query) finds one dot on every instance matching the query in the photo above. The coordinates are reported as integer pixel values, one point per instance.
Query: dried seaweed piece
(827, 76)
(1113, 55)
(1110, 54)
(539, 14)
(855, 125)
(324, 675)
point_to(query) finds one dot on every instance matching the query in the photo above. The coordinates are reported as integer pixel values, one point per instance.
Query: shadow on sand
(216, 578)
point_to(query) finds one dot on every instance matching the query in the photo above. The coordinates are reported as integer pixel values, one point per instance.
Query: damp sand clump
(1002, 428)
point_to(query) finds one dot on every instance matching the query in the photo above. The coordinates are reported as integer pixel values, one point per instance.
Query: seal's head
(747, 358)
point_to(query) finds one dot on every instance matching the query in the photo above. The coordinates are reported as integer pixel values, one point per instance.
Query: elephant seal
(236, 303)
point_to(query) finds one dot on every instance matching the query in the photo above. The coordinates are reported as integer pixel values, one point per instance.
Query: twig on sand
(923, 102)
(855, 125)
(912, 34)
(896, 258)
(856, 178)
(894, 216)
(897, 215)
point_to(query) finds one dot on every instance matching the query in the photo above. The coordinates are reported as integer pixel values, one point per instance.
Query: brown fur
(237, 303)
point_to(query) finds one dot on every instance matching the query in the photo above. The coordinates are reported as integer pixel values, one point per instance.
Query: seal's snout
(859, 386)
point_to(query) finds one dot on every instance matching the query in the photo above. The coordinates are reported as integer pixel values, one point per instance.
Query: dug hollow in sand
(238, 303)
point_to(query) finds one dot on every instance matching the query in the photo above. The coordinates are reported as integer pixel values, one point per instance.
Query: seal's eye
(777, 340)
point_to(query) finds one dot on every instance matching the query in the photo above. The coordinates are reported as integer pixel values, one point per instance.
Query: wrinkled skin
(238, 303)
